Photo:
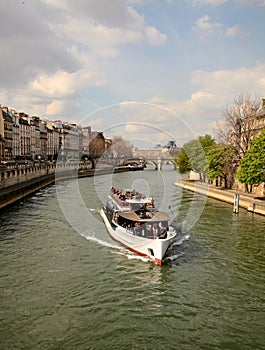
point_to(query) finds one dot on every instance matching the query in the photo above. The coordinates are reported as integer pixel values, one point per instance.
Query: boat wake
(87, 235)
(175, 251)
(181, 240)
(173, 257)
(116, 249)
(130, 255)
(120, 250)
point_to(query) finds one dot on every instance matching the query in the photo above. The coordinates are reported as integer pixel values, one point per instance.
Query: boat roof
(139, 201)
(135, 199)
(156, 216)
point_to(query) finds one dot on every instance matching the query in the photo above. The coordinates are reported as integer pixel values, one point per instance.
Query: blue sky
(148, 70)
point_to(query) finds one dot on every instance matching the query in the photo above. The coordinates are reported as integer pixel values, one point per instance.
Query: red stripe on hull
(157, 261)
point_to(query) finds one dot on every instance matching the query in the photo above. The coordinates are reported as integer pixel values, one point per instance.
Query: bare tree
(120, 147)
(238, 126)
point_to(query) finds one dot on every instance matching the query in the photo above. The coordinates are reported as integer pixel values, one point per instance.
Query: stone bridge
(156, 157)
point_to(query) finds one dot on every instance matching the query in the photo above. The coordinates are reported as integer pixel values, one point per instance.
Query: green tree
(221, 164)
(193, 155)
(183, 163)
(252, 166)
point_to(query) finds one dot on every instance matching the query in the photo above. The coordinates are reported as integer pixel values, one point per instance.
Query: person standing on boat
(154, 231)
(137, 228)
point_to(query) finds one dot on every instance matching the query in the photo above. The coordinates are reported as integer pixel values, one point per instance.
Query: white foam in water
(136, 257)
(119, 249)
(130, 255)
(173, 257)
(99, 241)
(181, 240)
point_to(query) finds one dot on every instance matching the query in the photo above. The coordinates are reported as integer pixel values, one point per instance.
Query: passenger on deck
(154, 230)
(137, 228)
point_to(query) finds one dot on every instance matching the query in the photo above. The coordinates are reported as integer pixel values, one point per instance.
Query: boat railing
(121, 203)
(123, 195)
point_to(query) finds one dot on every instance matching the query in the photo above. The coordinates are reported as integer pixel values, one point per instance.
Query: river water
(65, 284)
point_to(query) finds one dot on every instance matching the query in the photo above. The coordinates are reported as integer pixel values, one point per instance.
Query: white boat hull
(154, 249)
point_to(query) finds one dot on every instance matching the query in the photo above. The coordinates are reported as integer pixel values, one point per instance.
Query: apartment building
(25, 137)
(8, 135)
(69, 140)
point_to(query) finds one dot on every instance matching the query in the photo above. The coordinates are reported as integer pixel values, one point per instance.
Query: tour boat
(132, 219)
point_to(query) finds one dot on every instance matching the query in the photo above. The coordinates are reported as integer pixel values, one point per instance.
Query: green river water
(65, 284)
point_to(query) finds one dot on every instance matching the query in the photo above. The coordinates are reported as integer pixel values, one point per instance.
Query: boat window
(111, 205)
(136, 206)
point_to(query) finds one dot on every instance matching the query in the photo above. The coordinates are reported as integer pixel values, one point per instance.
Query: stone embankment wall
(14, 175)
(18, 181)
(249, 202)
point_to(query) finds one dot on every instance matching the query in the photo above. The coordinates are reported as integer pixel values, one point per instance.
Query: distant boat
(131, 166)
(132, 219)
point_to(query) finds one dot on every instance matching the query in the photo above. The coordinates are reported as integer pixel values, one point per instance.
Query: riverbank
(246, 201)
(22, 186)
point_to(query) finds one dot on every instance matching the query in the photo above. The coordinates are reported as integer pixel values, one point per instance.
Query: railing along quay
(18, 181)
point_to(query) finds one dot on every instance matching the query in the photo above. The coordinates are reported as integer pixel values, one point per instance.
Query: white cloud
(252, 2)
(60, 107)
(133, 127)
(229, 83)
(205, 27)
(63, 84)
(28, 45)
(212, 91)
(154, 37)
(97, 124)
(209, 2)
(235, 30)
(104, 28)
(62, 58)
(222, 2)
(53, 50)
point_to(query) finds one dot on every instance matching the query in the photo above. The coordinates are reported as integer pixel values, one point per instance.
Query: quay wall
(13, 193)
(246, 201)
(13, 176)
(18, 182)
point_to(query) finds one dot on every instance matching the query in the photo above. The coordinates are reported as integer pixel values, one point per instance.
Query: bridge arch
(158, 165)
(152, 162)
(169, 161)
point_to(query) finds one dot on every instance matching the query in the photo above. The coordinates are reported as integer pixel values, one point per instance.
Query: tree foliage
(221, 164)
(252, 166)
(183, 163)
(193, 155)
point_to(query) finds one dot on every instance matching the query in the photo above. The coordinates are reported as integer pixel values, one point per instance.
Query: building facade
(251, 126)
(24, 137)
(1, 134)
(8, 135)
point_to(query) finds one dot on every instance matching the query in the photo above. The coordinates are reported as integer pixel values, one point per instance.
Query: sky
(147, 70)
